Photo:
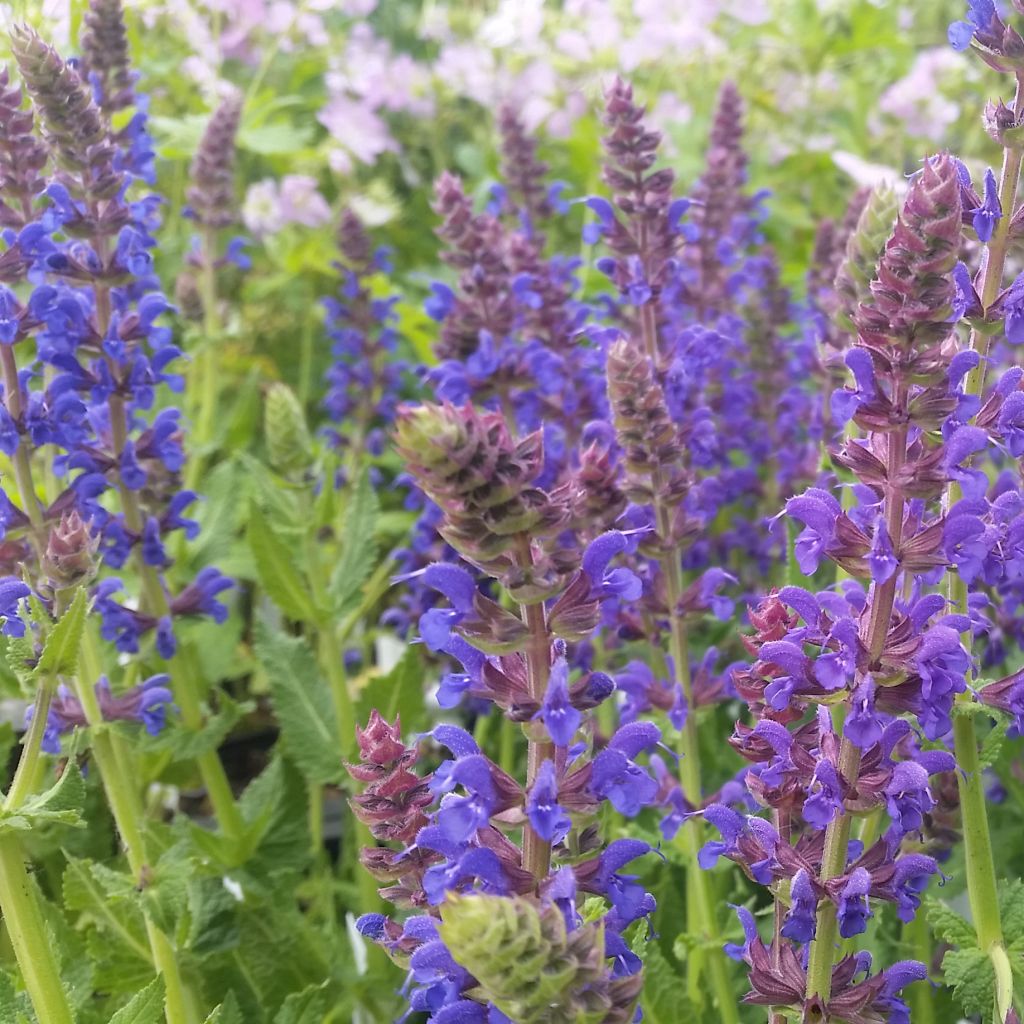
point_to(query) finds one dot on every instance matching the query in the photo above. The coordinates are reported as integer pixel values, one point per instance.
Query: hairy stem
(536, 851)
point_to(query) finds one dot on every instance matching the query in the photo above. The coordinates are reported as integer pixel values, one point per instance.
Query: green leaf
(146, 1007)
(992, 746)
(399, 692)
(664, 1000)
(107, 900)
(227, 1012)
(271, 139)
(972, 976)
(61, 804)
(306, 1007)
(8, 1001)
(275, 566)
(1011, 908)
(60, 652)
(302, 703)
(213, 911)
(186, 745)
(359, 552)
(947, 924)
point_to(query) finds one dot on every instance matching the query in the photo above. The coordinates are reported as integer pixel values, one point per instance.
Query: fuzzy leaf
(61, 804)
(213, 912)
(1011, 908)
(306, 1007)
(400, 691)
(106, 899)
(8, 1001)
(359, 550)
(972, 976)
(947, 924)
(302, 703)
(664, 999)
(226, 1013)
(275, 566)
(992, 745)
(183, 744)
(60, 652)
(146, 1007)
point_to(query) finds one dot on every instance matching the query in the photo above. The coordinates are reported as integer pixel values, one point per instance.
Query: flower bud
(70, 557)
(211, 196)
(289, 444)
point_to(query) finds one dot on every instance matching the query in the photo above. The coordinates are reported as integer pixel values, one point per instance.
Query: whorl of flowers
(22, 160)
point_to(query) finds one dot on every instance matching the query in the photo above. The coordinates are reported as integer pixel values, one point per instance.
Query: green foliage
(146, 1007)
(971, 974)
(302, 702)
(61, 804)
(398, 692)
(359, 549)
(277, 571)
(60, 651)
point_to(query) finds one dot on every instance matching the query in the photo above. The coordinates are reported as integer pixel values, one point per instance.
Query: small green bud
(289, 444)
(530, 967)
(863, 251)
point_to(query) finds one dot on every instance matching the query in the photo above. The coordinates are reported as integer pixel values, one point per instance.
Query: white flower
(261, 211)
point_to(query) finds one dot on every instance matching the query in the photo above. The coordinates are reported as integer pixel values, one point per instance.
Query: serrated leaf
(8, 1000)
(61, 804)
(947, 924)
(992, 746)
(359, 551)
(302, 703)
(1011, 908)
(664, 999)
(146, 1007)
(972, 977)
(60, 652)
(399, 692)
(103, 897)
(227, 1012)
(306, 1007)
(183, 744)
(275, 566)
(213, 911)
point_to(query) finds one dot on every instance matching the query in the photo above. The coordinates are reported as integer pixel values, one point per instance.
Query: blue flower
(988, 214)
(980, 15)
(853, 904)
(12, 592)
(547, 818)
(560, 718)
(801, 920)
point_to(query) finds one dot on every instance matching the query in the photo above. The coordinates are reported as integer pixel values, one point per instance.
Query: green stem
(918, 937)
(206, 371)
(127, 811)
(25, 775)
(29, 936)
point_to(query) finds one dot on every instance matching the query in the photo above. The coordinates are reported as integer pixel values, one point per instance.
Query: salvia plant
(586, 589)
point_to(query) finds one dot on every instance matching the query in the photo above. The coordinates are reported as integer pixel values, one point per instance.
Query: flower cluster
(882, 649)
(459, 825)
